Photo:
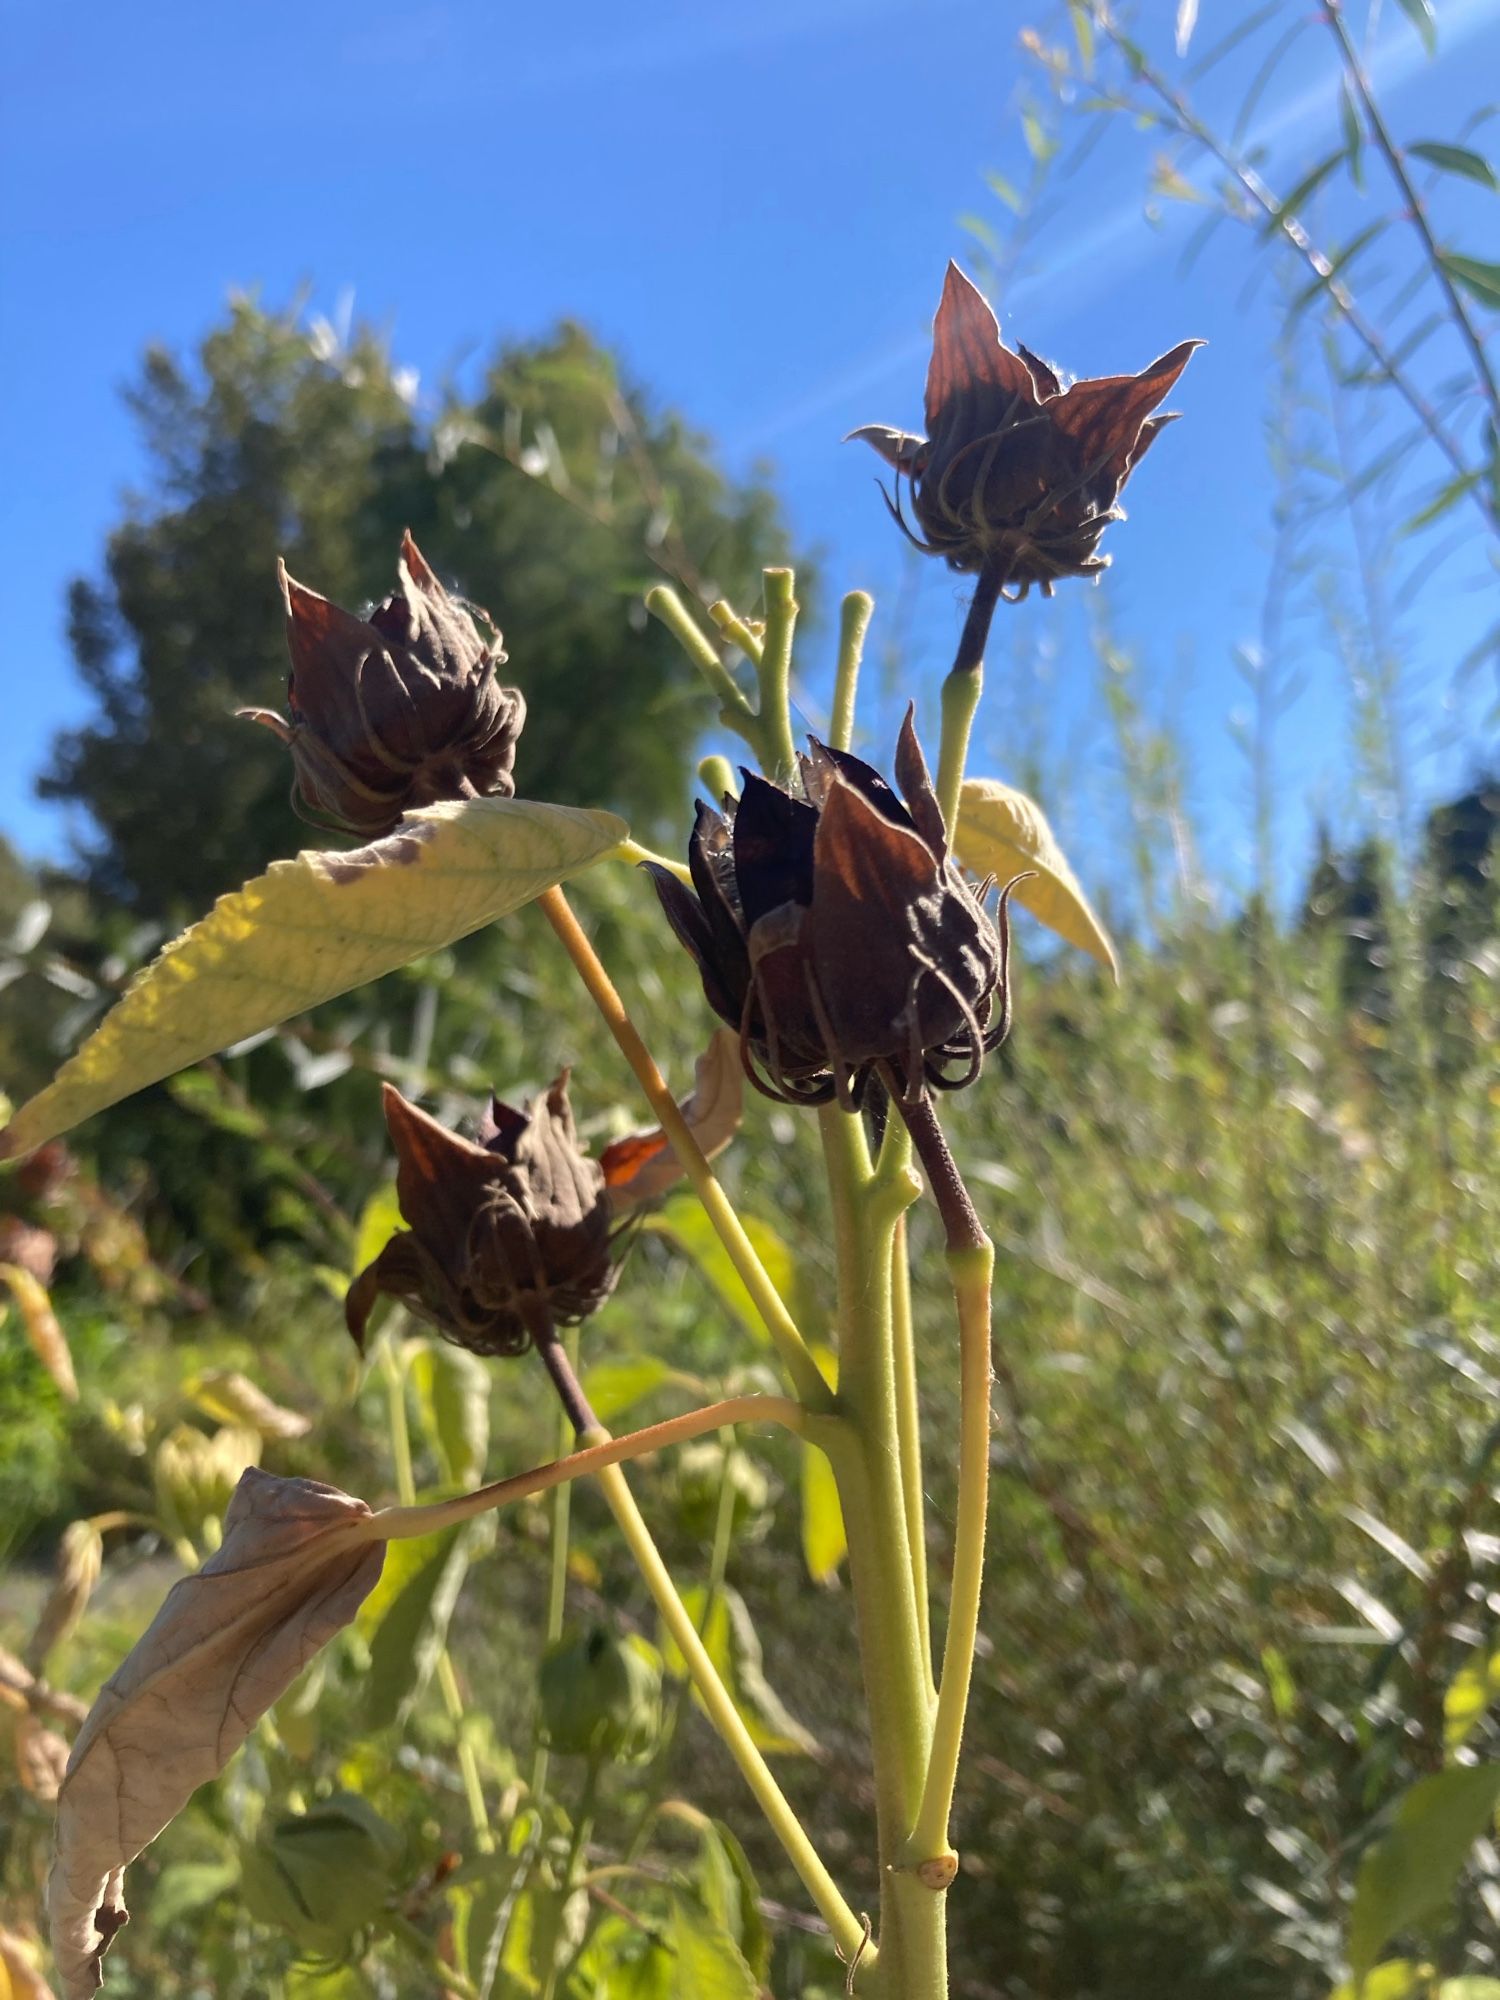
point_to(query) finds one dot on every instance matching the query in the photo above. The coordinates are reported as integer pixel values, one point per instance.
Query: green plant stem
(970, 1267)
(405, 1523)
(735, 711)
(774, 669)
(557, 1582)
(865, 1452)
(909, 1432)
(633, 852)
(717, 774)
(854, 622)
(962, 688)
(736, 631)
(725, 1717)
(767, 1301)
(443, 1673)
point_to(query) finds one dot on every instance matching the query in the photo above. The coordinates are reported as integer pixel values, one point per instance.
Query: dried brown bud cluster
(835, 935)
(1016, 471)
(395, 711)
(509, 1234)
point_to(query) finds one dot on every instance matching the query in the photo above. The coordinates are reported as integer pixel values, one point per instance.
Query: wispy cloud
(1080, 266)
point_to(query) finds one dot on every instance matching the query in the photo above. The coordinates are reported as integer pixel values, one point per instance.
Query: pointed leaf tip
(1001, 832)
(310, 929)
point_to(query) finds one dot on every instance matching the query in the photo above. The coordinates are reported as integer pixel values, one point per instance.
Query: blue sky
(755, 205)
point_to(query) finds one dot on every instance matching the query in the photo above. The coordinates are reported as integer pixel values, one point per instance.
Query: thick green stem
(854, 622)
(730, 1231)
(774, 668)
(866, 1454)
(726, 1718)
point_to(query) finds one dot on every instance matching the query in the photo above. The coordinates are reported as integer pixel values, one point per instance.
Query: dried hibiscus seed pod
(1016, 471)
(509, 1236)
(394, 711)
(835, 935)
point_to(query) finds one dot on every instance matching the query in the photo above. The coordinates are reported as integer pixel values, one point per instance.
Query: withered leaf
(297, 1560)
(643, 1166)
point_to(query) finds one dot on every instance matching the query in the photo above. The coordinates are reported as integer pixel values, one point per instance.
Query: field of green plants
(1230, 1735)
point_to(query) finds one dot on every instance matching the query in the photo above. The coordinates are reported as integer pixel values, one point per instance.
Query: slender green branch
(726, 1718)
(854, 622)
(396, 1524)
(1416, 208)
(735, 711)
(970, 1268)
(909, 1433)
(730, 1230)
(737, 631)
(774, 668)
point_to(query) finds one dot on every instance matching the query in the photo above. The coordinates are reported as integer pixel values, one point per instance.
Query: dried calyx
(1018, 475)
(510, 1234)
(394, 711)
(835, 935)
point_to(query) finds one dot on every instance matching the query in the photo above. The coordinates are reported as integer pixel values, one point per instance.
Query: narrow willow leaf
(231, 1398)
(1303, 192)
(1003, 833)
(1476, 276)
(310, 929)
(1354, 135)
(411, 1625)
(1422, 18)
(1187, 21)
(1412, 1870)
(824, 1541)
(1456, 160)
(296, 1561)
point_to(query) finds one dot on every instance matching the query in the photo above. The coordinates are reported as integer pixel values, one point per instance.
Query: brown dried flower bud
(1015, 470)
(509, 1235)
(395, 711)
(834, 933)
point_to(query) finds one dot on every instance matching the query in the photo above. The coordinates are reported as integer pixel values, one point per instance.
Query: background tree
(536, 500)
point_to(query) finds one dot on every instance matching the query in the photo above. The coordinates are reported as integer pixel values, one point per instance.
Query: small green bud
(319, 1876)
(196, 1474)
(601, 1696)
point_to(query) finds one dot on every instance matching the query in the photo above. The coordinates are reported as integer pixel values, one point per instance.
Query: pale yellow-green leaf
(379, 1220)
(1001, 832)
(310, 929)
(1469, 1695)
(732, 1643)
(1396, 1979)
(43, 1328)
(824, 1542)
(686, 1223)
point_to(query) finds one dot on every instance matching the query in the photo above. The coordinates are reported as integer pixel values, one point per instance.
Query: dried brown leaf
(642, 1167)
(297, 1560)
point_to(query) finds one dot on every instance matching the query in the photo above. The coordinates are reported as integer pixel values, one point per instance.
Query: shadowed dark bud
(835, 935)
(1016, 470)
(394, 711)
(509, 1234)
